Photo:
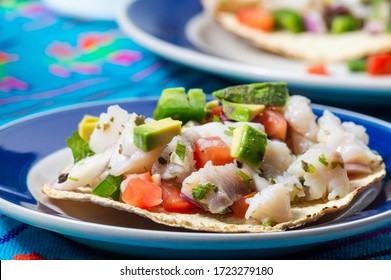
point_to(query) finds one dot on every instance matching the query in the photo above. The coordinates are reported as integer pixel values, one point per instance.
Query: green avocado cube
(176, 104)
(109, 187)
(357, 65)
(248, 145)
(342, 24)
(153, 135)
(268, 94)
(241, 112)
(289, 20)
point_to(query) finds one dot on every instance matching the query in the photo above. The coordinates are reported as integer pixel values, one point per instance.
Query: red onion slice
(355, 169)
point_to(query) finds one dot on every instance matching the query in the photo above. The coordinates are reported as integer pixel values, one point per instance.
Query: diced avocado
(248, 145)
(109, 187)
(357, 65)
(342, 24)
(197, 101)
(268, 94)
(86, 126)
(176, 104)
(241, 112)
(150, 136)
(289, 20)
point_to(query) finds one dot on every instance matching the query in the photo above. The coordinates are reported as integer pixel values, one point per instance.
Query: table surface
(48, 61)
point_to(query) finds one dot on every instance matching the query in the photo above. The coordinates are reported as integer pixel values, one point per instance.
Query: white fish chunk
(277, 159)
(173, 168)
(270, 205)
(300, 117)
(227, 186)
(86, 172)
(108, 129)
(322, 170)
(347, 139)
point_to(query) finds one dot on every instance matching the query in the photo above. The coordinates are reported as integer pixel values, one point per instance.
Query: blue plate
(179, 31)
(28, 146)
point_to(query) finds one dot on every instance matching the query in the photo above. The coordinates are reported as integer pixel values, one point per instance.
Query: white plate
(179, 31)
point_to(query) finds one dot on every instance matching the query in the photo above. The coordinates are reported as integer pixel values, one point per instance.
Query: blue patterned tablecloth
(47, 61)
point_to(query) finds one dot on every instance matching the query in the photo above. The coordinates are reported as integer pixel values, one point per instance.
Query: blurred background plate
(179, 31)
(86, 9)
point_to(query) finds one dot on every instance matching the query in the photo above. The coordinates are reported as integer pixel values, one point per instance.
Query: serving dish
(32, 151)
(192, 38)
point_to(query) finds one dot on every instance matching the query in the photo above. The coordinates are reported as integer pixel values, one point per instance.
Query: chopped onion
(192, 201)
(355, 169)
(375, 27)
(314, 22)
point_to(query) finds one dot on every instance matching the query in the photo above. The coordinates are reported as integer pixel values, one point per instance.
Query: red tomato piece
(174, 202)
(379, 64)
(256, 18)
(239, 207)
(143, 176)
(211, 149)
(142, 194)
(317, 69)
(275, 124)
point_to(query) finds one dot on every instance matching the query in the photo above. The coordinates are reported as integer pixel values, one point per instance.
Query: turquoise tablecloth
(47, 61)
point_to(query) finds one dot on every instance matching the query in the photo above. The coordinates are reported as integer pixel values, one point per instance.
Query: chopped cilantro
(202, 190)
(230, 131)
(216, 118)
(139, 120)
(225, 211)
(246, 179)
(80, 148)
(180, 150)
(301, 180)
(335, 164)
(62, 178)
(308, 167)
(323, 160)
(162, 160)
(73, 179)
(268, 223)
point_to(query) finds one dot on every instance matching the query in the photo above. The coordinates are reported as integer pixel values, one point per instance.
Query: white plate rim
(217, 65)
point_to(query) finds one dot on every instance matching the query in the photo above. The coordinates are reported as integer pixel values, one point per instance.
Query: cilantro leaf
(80, 148)
(323, 160)
(180, 150)
(308, 167)
(202, 190)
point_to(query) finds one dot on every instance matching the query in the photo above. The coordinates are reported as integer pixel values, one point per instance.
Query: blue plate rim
(224, 241)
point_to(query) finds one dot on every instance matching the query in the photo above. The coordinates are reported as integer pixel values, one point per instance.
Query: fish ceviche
(355, 32)
(253, 159)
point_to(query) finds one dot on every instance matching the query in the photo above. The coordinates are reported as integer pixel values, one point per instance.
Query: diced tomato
(174, 202)
(256, 18)
(239, 207)
(211, 149)
(379, 64)
(275, 124)
(143, 176)
(142, 194)
(317, 69)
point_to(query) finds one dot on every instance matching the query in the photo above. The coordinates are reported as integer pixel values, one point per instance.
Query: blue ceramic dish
(26, 143)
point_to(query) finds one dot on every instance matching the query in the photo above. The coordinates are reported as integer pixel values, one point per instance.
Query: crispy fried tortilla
(302, 213)
(322, 48)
